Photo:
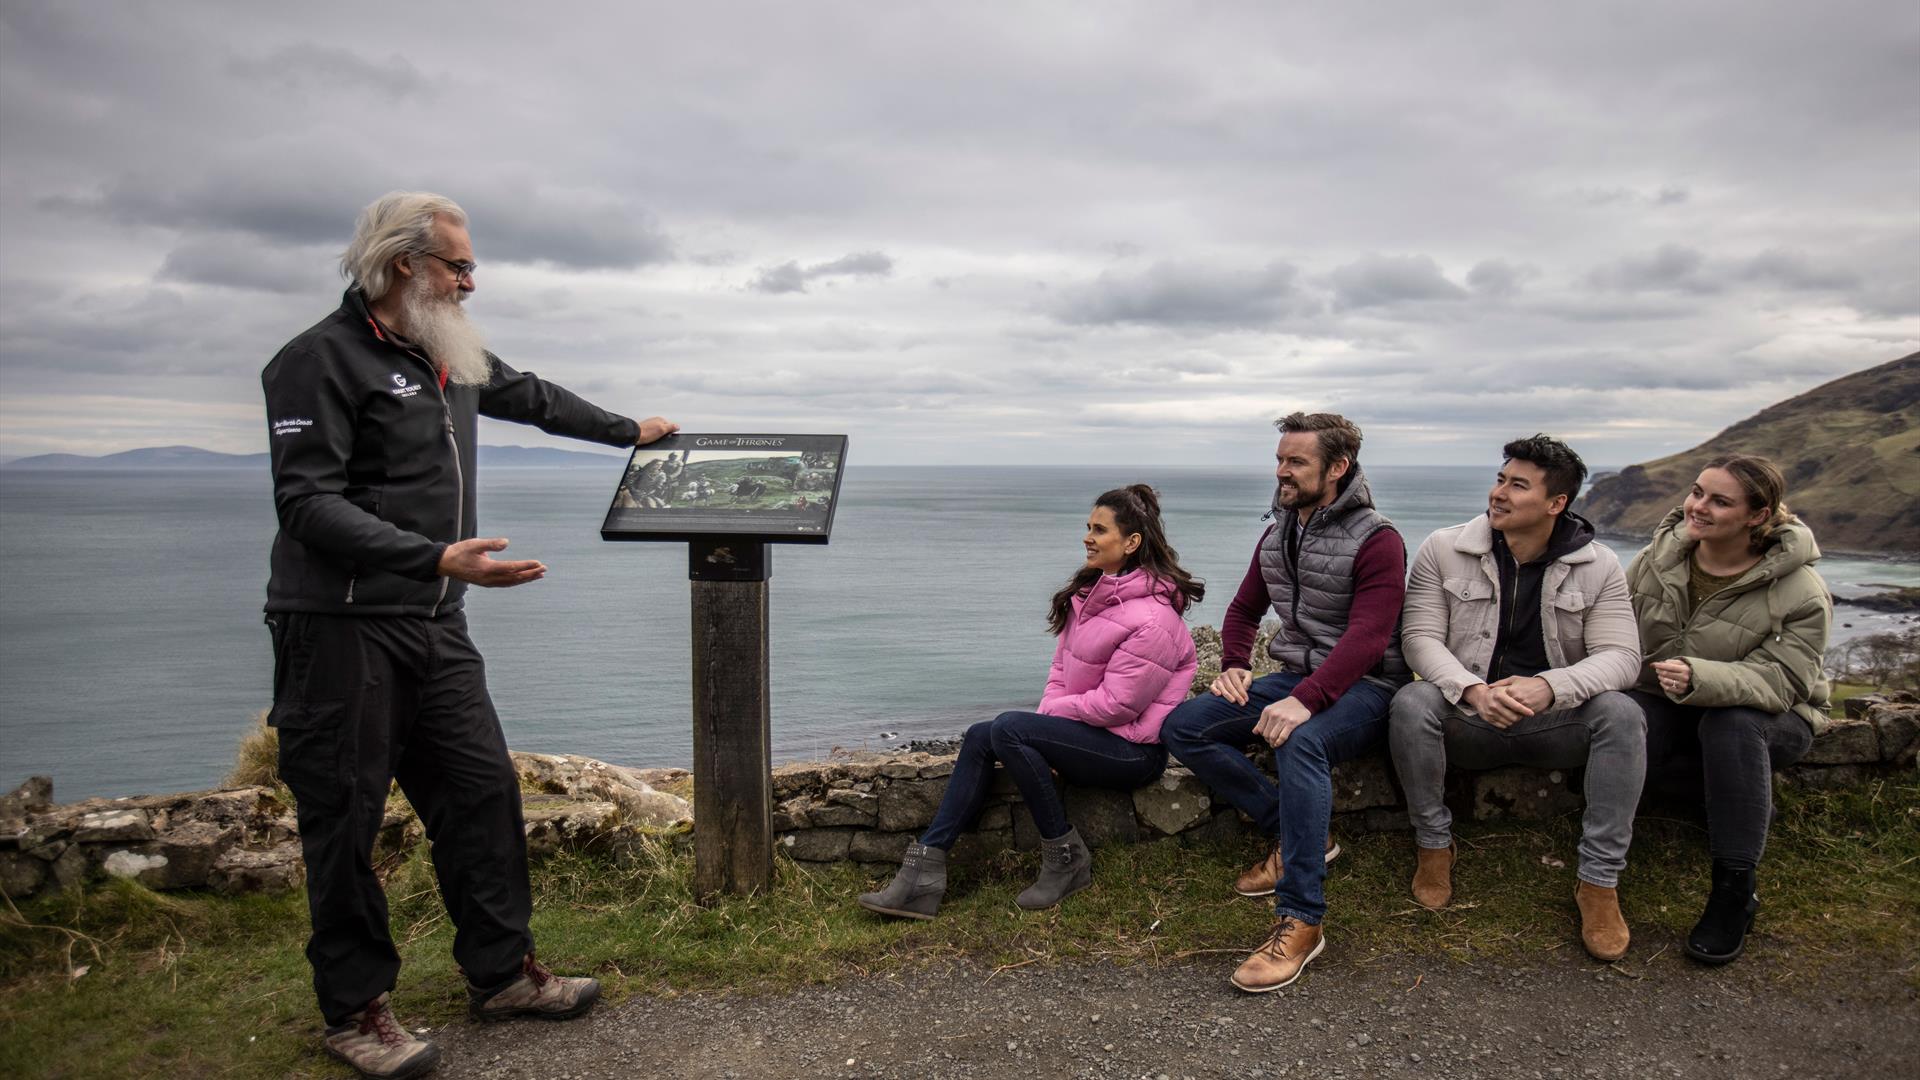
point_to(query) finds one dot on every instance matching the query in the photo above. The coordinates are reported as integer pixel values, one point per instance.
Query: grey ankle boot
(1065, 869)
(914, 892)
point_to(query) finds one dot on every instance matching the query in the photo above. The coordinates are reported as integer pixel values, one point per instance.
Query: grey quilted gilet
(1313, 613)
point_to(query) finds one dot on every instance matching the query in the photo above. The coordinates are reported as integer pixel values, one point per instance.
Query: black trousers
(1736, 750)
(360, 702)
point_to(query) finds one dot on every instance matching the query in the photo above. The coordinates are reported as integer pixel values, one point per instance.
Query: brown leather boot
(1603, 930)
(1261, 878)
(1433, 876)
(1280, 960)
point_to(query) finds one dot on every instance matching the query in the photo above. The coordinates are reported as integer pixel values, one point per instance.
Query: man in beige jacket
(1521, 629)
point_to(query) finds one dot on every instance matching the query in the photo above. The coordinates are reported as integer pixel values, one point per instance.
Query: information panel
(774, 488)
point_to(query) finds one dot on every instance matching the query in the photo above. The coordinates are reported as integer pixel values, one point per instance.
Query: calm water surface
(132, 654)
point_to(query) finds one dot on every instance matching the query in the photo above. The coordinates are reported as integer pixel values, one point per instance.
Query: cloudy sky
(981, 232)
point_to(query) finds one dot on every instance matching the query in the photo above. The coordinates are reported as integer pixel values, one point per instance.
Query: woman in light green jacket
(1733, 624)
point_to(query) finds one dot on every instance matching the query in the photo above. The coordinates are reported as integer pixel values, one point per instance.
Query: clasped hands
(1508, 701)
(1277, 720)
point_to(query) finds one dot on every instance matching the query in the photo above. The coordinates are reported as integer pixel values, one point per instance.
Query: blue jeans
(1209, 734)
(1033, 747)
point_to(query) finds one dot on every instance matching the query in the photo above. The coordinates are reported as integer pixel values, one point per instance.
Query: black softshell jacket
(373, 465)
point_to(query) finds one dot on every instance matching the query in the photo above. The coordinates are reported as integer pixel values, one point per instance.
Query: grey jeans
(1607, 736)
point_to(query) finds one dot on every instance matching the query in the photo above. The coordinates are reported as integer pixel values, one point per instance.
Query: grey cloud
(148, 331)
(1668, 195)
(1794, 270)
(791, 277)
(1889, 299)
(785, 278)
(791, 384)
(1607, 309)
(1194, 365)
(240, 262)
(1185, 295)
(1670, 268)
(318, 68)
(1380, 280)
(1497, 277)
(860, 263)
(293, 202)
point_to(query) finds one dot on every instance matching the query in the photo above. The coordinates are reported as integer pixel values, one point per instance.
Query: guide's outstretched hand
(655, 428)
(468, 561)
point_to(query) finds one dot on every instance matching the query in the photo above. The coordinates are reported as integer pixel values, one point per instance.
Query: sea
(133, 656)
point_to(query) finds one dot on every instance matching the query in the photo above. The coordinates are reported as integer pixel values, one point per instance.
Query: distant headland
(192, 457)
(1850, 449)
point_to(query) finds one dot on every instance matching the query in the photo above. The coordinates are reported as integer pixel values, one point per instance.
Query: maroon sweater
(1379, 588)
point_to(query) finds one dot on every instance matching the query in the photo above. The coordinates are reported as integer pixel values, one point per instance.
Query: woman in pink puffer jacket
(1123, 662)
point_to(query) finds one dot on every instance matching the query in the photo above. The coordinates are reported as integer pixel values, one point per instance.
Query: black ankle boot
(1722, 930)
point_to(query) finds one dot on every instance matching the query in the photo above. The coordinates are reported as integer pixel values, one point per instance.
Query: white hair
(395, 224)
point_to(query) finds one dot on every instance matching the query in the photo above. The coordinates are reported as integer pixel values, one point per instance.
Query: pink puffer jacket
(1125, 659)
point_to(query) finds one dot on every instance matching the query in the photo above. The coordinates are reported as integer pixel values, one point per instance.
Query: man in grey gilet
(1521, 628)
(1332, 569)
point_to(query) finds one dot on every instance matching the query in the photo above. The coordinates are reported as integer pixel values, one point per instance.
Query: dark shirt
(1521, 648)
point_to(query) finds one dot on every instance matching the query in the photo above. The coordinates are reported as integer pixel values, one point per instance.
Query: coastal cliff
(1850, 449)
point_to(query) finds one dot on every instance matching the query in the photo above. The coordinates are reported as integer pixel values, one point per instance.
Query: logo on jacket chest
(403, 388)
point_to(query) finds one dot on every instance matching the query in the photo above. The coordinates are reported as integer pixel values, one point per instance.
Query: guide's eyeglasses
(460, 269)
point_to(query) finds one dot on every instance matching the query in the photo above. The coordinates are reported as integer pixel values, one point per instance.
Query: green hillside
(1850, 449)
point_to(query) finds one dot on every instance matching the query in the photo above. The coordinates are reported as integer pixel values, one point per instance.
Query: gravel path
(1559, 1016)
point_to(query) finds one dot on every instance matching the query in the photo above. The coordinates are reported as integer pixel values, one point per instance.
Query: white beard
(442, 330)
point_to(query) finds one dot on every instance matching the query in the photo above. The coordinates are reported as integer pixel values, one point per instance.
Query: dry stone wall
(865, 808)
(856, 807)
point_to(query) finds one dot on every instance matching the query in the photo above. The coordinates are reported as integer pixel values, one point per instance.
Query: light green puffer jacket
(1758, 642)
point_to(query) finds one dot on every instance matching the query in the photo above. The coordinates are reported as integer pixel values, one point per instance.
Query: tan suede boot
(1603, 930)
(1263, 877)
(1433, 876)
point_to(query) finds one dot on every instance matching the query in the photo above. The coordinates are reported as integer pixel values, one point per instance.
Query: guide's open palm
(468, 561)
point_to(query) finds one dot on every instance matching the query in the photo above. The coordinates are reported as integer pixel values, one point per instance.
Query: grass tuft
(256, 762)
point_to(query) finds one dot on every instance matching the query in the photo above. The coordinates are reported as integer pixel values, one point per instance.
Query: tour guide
(372, 414)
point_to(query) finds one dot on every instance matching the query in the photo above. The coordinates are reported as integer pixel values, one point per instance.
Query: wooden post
(732, 730)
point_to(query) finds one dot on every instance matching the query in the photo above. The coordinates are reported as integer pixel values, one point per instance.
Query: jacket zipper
(459, 498)
(350, 584)
(1293, 562)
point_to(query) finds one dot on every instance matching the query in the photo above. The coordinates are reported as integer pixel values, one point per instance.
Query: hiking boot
(376, 1044)
(1065, 869)
(1721, 934)
(534, 992)
(1290, 945)
(1603, 930)
(1261, 878)
(1433, 876)
(915, 891)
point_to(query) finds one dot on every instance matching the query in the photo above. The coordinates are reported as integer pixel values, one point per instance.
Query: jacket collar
(1791, 548)
(1113, 589)
(1476, 539)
